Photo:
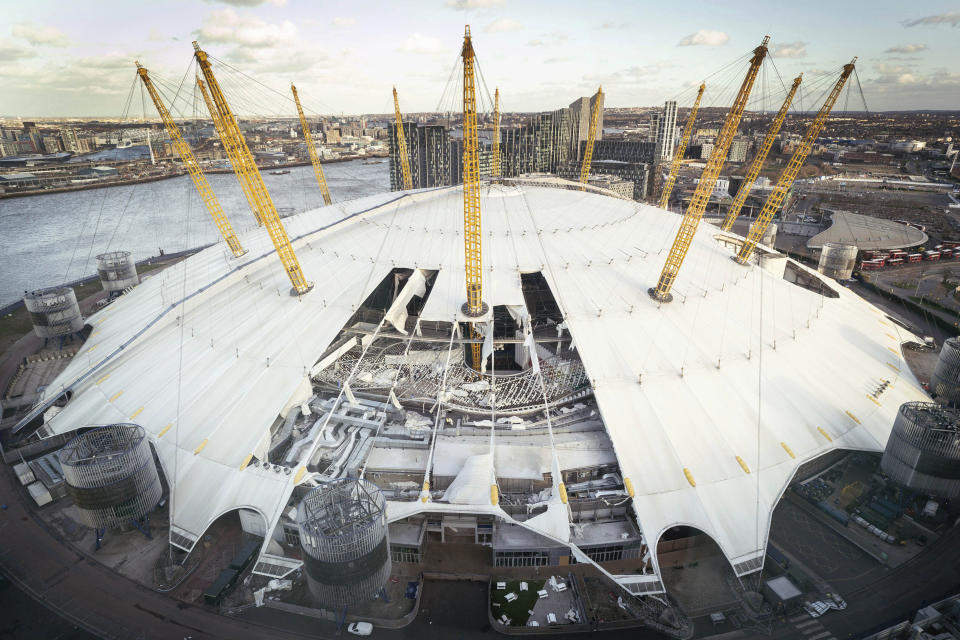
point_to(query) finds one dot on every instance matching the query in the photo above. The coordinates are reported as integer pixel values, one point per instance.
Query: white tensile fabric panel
(741, 364)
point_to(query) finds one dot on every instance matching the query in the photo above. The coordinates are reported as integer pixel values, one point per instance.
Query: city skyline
(343, 59)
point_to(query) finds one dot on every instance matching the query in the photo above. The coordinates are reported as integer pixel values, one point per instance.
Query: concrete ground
(698, 585)
(819, 547)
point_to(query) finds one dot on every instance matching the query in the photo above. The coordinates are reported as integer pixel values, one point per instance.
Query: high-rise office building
(666, 130)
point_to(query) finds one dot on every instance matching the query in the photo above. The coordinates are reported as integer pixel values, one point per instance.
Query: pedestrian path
(810, 628)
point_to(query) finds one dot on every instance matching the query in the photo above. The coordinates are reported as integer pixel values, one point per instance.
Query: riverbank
(168, 176)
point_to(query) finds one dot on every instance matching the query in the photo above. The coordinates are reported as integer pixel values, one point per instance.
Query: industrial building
(647, 413)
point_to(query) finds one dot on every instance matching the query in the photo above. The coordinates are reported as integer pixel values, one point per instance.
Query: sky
(77, 58)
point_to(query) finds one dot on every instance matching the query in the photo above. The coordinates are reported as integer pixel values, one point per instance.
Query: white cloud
(419, 43)
(503, 25)
(536, 43)
(789, 50)
(343, 22)
(705, 37)
(463, 5)
(907, 48)
(227, 27)
(248, 3)
(613, 25)
(10, 51)
(952, 18)
(38, 35)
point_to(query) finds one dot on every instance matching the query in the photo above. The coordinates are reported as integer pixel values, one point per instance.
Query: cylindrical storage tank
(923, 452)
(117, 271)
(945, 382)
(54, 312)
(769, 238)
(837, 260)
(343, 532)
(111, 475)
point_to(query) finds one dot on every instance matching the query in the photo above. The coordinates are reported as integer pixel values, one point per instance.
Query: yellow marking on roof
(202, 445)
(788, 449)
(95, 333)
(893, 351)
(246, 461)
(886, 324)
(116, 395)
(892, 337)
(894, 367)
(136, 413)
(628, 485)
(743, 464)
(825, 434)
(853, 417)
(92, 348)
(874, 400)
(103, 378)
(300, 473)
(164, 430)
(689, 475)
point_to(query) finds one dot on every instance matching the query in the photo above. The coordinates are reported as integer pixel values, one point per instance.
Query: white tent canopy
(742, 366)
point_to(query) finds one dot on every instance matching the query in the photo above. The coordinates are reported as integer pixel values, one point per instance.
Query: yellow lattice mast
(258, 197)
(591, 138)
(708, 179)
(775, 199)
(311, 149)
(474, 307)
(759, 159)
(495, 151)
(193, 168)
(402, 143)
(230, 148)
(680, 151)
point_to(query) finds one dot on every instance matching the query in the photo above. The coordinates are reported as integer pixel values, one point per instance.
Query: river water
(50, 239)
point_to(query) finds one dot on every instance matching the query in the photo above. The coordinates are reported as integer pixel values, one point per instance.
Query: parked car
(360, 628)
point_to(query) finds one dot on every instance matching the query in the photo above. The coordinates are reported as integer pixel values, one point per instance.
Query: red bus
(931, 255)
(893, 262)
(870, 265)
(915, 257)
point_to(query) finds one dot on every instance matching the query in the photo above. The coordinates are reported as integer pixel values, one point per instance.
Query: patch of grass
(518, 610)
(908, 284)
(13, 327)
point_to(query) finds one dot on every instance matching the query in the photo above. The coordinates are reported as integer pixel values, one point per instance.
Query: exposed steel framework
(708, 179)
(495, 161)
(402, 143)
(311, 149)
(681, 150)
(193, 168)
(229, 148)
(246, 170)
(471, 195)
(591, 138)
(787, 176)
(760, 158)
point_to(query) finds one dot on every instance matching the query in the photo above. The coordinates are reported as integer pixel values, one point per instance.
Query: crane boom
(248, 173)
(759, 159)
(230, 148)
(311, 149)
(591, 138)
(681, 150)
(402, 143)
(473, 260)
(193, 168)
(495, 151)
(785, 181)
(708, 179)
